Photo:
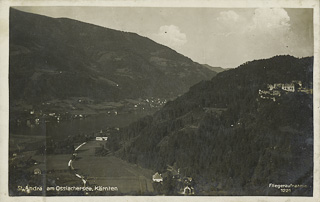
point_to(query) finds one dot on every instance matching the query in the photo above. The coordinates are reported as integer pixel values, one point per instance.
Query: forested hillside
(59, 58)
(227, 138)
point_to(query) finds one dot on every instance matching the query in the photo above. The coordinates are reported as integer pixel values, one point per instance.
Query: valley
(100, 112)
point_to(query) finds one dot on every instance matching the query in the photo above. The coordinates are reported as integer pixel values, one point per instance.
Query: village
(79, 109)
(275, 90)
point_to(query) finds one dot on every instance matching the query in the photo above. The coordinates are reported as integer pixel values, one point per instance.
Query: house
(101, 138)
(275, 86)
(305, 90)
(288, 87)
(188, 190)
(157, 177)
(264, 92)
(276, 93)
(284, 86)
(37, 171)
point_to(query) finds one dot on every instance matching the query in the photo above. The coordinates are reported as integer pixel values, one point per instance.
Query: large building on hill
(276, 89)
(284, 86)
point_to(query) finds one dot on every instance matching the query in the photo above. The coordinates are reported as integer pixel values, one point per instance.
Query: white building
(101, 138)
(188, 190)
(284, 86)
(157, 177)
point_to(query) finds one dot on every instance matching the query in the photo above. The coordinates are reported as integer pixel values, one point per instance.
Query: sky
(220, 37)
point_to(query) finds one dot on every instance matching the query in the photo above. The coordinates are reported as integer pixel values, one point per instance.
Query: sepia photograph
(161, 101)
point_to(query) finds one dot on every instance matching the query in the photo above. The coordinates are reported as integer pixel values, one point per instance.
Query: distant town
(79, 108)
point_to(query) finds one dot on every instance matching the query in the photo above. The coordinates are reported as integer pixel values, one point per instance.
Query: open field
(26, 155)
(52, 162)
(112, 171)
(19, 142)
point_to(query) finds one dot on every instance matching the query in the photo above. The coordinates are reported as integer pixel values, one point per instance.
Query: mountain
(229, 138)
(215, 69)
(55, 58)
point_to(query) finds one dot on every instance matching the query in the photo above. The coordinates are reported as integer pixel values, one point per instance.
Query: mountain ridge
(216, 69)
(57, 53)
(226, 137)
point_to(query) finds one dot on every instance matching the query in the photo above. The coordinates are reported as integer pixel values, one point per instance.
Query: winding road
(72, 168)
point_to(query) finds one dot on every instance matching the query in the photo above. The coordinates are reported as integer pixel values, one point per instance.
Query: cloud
(228, 16)
(229, 22)
(170, 35)
(272, 25)
(272, 21)
(263, 33)
(271, 18)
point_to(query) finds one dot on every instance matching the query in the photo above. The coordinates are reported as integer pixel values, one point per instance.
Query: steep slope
(227, 137)
(60, 58)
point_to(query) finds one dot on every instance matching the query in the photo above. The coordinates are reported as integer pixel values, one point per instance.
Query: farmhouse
(101, 138)
(157, 177)
(188, 190)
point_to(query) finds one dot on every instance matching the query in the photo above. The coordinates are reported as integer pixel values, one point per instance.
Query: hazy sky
(224, 37)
